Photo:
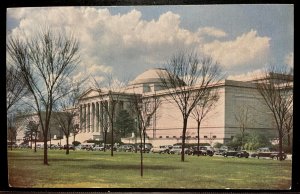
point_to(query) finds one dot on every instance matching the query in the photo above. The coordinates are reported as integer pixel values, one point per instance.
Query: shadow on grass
(101, 165)
(130, 166)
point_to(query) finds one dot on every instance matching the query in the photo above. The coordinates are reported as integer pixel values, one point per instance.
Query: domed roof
(150, 76)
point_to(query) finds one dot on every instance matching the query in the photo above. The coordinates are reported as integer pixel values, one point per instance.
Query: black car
(240, 154)
(203, 150)
(71, 147)
(268, 153)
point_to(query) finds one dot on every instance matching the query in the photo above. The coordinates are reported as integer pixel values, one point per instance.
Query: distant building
(219, 125)
(21, 122)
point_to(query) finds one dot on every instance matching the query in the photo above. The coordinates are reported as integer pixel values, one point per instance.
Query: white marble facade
(219, 125)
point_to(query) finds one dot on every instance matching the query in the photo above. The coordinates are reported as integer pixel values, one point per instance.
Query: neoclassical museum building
(220, 124)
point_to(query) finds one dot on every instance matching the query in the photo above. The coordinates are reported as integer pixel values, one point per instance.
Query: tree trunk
(112, 139)
(35, 142)
(141, 151)
(144, 136)
(31, 140)
(135, 146)
(289, 139)
(198, 142)
(45, 151)
(105, 133)
(67, 151)
(280, 146)
(11, 143)
(185, 120)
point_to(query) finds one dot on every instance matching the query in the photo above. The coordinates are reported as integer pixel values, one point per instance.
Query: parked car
(221, 150)
(88, 147)
(98, 148)
(161, 149)
(234, 153)
(126, 148)
(54, 147)
(71, 147)
(176, 149)
(242, 154)
(268, 153)
(203, 150)
(147, 147)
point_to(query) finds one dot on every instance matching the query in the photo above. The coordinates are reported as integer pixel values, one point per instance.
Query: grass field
(83, 169)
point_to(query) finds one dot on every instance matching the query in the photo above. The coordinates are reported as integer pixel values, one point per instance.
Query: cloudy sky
(128, 40)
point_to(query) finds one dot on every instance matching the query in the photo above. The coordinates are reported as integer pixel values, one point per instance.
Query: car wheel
(275, 158)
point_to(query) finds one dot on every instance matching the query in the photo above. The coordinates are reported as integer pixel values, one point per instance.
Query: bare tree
(75, 131)
(15, 87)
(186, 77)
(288, 125)
(11, 130)
(45, 61)
(202, 108)
(32, 132)
(67, 112)
(276, 88)
(109, 92)
(244, 120)
(144, 109)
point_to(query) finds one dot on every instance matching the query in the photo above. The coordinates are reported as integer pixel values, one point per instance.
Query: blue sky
(127, 40)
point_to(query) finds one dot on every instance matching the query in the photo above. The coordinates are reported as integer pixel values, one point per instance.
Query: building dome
(150, 76)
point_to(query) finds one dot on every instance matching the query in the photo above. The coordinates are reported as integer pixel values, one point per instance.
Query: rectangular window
(160, 136)
(214, 136)
(167, 136)
(174, 136)
(205, 136)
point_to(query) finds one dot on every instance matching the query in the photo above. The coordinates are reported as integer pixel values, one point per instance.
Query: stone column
(80, 118)
(84, 118)
(93, 117)
(97, 117)
(101, 117)
(88, 117)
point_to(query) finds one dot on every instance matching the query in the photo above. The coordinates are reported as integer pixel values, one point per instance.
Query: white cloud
(289, 59)
(245, 49)
(212, 31)
(125, 42)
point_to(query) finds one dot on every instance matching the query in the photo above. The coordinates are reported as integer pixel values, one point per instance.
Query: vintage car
(221, 150)
(126, 148)
(163, 149)
(203, 150)
(240, 154)
(268, 153)
(177, 149)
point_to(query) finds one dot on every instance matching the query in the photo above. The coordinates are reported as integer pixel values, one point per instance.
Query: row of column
(93, 116)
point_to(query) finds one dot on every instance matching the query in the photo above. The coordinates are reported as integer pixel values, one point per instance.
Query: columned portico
(93, 117)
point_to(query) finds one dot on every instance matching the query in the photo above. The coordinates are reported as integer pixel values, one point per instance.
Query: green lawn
(83, 169)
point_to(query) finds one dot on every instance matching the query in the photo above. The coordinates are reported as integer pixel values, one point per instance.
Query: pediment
(90, 93)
